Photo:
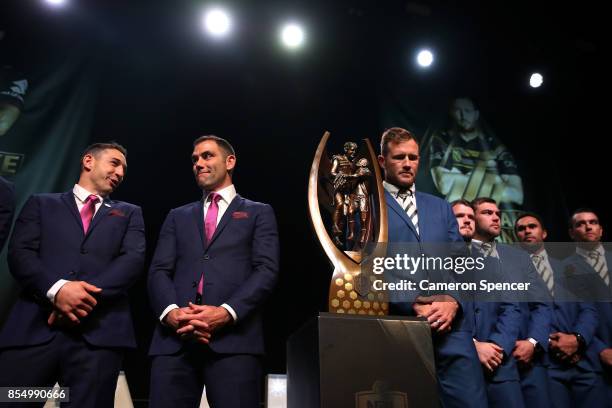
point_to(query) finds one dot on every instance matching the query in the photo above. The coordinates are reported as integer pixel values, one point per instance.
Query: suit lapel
(105, 207)
(198, 214)
(68, 199)
(394, 205)
(423, 214)
(234, 205)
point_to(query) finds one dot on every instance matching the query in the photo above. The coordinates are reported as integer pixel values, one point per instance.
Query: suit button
(83, 251)
(206, 257)
(194, 284)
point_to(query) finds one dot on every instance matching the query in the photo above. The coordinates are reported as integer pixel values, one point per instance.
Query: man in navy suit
(75, 255)
(215, 264)
(419, 219)
(7, 209)
(531, 352)
(592, 263)
(497, 319)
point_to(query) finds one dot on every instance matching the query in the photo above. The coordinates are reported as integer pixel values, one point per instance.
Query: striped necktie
(410, 207)
(597, 262)
(544, 271)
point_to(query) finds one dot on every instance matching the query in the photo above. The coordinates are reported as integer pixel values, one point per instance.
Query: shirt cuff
(231, 311)
(55, 288)
(166, 311)
(533, 341)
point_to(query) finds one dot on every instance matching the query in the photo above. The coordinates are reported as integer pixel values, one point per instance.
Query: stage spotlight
(292, 35)
(536, 80)
(56, 2)
(217, 22)
(425, 58)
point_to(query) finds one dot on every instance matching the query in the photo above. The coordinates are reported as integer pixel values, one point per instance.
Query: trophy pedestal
(337, 361)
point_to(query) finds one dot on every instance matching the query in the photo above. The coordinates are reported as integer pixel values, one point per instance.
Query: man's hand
(489, 354)
(172, 318)
(56, 319)
(606, 356)
(74, 300)
(565, 345)
(203, 321)
(523, 351)
(439, 311)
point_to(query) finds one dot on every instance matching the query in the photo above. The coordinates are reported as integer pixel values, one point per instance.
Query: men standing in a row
(215, 264)
(501, 322)
(75, 255)
(418, 218)
(573, 369)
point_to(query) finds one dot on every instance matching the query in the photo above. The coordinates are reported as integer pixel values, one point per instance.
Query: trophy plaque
(347, 186)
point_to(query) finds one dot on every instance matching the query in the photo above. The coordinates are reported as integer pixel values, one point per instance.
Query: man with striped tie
(529, 352)
(573, 369)
(593, 262)
(417, 219)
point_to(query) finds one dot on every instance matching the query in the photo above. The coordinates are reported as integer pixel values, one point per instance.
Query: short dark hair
(97, 148)
(222, 143)
(570, 221)
(395, 135)
(460, 201)
(479, 200)
(528, 214)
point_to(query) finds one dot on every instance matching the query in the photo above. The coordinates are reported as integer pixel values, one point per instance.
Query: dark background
(160, 82)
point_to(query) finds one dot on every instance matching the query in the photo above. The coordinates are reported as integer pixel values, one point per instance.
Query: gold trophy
(349, 186)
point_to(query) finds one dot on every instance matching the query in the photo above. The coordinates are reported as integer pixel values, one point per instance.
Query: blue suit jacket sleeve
(540, 311)
(587, 321)
(24, 247)
(507, 326)
(126, 268)
(265, 263)
(162, 292)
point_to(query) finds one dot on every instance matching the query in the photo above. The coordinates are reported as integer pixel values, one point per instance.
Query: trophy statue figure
(349, 187)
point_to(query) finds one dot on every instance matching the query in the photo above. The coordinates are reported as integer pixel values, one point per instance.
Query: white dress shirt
(227, 195)
(80, 195)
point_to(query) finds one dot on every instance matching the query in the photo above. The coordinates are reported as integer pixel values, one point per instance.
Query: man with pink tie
(215, 264)
(75, 255)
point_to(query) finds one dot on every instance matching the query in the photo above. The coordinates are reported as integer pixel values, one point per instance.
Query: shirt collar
(542, 254)
(81, 194)
(583, 252)
(394, 190)
(227, 193)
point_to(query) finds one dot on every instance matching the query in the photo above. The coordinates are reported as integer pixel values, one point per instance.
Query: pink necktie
(88, 210)
(210, 224)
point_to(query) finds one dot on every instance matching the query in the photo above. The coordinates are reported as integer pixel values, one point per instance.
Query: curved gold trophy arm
(349, 290)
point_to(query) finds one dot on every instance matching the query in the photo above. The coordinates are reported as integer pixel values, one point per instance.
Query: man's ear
(230, 162)
(88, 161)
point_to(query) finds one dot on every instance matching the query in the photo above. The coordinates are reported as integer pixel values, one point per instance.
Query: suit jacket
(499, 319)
(438, 228)
(602, 294)
(48, 244)
(7, 209)
(240, 266)
(536, 304)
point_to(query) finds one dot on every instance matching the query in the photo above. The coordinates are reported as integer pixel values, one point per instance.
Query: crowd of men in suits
(552, 349)
(76, 254)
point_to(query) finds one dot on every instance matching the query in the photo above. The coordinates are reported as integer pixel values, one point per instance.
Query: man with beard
(420, 219)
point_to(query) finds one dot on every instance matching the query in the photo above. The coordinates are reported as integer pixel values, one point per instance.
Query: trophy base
(361, 361)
